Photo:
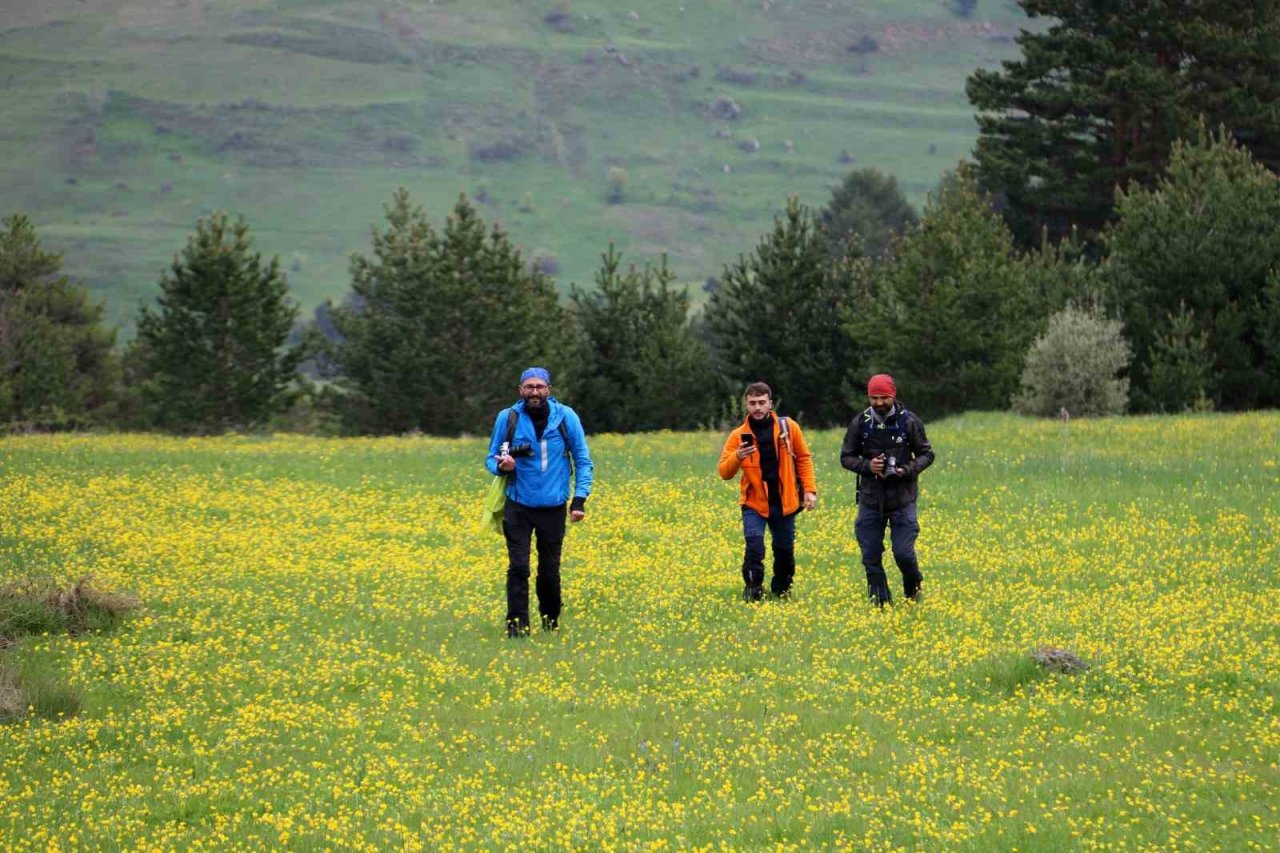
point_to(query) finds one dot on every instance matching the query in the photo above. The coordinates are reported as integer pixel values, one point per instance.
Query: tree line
(1114, 246)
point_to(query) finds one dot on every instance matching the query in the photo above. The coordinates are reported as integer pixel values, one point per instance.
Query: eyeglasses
(537, 387)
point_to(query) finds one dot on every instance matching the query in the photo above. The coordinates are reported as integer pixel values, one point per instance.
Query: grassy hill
(125, 120)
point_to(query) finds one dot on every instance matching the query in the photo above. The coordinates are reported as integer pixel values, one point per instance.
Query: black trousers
(519, 523)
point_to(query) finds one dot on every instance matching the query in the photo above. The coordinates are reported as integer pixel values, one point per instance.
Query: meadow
(125, 120)
(319, 661)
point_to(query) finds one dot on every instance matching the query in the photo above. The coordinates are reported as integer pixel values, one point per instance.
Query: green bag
(495, 501)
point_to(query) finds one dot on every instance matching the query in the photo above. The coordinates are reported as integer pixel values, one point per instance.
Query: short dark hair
(758, 389)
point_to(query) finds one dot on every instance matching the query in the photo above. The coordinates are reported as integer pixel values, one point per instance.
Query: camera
(890, 466)
(521, 449)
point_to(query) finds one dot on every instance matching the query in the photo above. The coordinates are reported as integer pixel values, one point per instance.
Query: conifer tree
(57, 368)
(1099, 96)
(213, 349)
(953, 308)
(1198, 247)
(776, 317)
(639, 365)
(440, 324)
(865, 213)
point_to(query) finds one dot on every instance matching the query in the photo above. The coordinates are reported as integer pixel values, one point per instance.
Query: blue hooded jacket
(542, 480)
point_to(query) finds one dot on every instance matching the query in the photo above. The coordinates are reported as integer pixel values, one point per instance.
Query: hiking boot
(752, 593)
(550, 623)
(516, 630)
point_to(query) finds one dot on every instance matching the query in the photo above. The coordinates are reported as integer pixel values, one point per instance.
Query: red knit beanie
(882, 385)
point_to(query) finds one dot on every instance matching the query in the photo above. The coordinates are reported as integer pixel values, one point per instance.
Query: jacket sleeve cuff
(578, 505)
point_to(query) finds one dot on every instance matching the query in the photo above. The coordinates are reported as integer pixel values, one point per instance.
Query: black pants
(904, 528)
(519, 523)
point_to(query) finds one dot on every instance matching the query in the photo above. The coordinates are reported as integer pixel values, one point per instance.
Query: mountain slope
(125, 120)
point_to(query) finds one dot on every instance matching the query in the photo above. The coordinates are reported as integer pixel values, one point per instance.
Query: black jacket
(901, 434)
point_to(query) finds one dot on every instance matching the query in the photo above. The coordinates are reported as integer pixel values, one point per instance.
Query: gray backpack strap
(512, 417)
(784, 431)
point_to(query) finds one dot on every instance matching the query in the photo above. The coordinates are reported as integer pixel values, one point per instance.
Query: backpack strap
(784, 429)
(512, 417)
(564, 436)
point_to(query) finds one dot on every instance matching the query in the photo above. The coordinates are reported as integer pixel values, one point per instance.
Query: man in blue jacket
(532, 444)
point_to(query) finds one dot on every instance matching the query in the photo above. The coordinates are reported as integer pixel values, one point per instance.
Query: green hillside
(125, 120)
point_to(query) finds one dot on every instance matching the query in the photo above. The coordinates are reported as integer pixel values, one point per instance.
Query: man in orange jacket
(777, 481)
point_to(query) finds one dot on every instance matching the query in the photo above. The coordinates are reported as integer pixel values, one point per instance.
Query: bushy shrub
(1076, 365)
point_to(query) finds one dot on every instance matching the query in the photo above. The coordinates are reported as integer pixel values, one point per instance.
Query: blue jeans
(783, 530)
(904, 528)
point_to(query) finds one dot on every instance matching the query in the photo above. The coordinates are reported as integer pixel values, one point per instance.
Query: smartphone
(748, 439)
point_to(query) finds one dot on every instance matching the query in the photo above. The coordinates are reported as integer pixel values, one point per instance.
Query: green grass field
(319, 660)
(125, 120)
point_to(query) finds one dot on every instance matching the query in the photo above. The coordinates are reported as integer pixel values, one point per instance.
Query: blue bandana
(536, 373)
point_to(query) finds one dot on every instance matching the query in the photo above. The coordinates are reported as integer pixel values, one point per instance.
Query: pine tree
(1180, 367)
(1269, 323)
(213, 350)
(639, 365)
(952, 310)
(776, 318)
(440, 324)
(57, 368)
(1098, 98)
(865, 213)
(390, 330)
(506, 318)
(1201, 242)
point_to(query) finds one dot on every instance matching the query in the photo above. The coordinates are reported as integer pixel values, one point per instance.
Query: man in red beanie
(887, 448)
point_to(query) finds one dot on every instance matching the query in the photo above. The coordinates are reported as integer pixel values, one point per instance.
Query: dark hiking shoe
(550, 623)
(752, 593)
(516, 630)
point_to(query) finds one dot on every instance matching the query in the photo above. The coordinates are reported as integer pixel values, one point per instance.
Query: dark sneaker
(752, 593)
(879, 594)
(550, 624)
(516, 630)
